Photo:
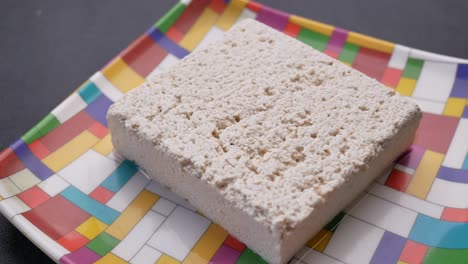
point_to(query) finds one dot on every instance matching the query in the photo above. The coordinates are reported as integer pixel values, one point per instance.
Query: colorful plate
(63, 187)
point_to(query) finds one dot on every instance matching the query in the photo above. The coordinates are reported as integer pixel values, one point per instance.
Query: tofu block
(266, 136)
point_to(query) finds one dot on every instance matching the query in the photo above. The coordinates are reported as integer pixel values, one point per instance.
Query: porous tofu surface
(270, 123)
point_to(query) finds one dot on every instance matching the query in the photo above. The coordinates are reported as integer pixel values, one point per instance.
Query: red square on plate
(391, 77)
(398, 180)
(190, 15)
(9, 163)
(331, 54)
(174, 34)
(292, 29)
(101, 194)
(413, 253)
(371, 62)
(72, 241)
(38, 149)
(143, 55)
(98, 130)
(33, 197)
(218, 6)
(56, 217)
(455, 215)
(234, 243)
(435, 132)
(254, 6)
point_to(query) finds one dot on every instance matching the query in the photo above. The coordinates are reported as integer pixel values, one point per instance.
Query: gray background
(48, 48)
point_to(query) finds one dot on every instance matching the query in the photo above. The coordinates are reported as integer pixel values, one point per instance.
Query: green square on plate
(348, 53)
(103, 244)
(315, 40)
(248, 257)
(413, 68)
(44, 126)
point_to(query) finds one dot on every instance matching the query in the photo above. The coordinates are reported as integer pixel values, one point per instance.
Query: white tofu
(264, 135)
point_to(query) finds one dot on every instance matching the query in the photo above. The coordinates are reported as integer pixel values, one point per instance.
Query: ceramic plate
(65, 189)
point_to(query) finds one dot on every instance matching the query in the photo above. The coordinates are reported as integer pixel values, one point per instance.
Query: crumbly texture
(272, 125)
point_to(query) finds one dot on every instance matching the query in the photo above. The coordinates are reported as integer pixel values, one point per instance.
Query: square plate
(65, 189)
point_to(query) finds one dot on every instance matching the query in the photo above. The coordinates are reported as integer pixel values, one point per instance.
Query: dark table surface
(48, 48)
